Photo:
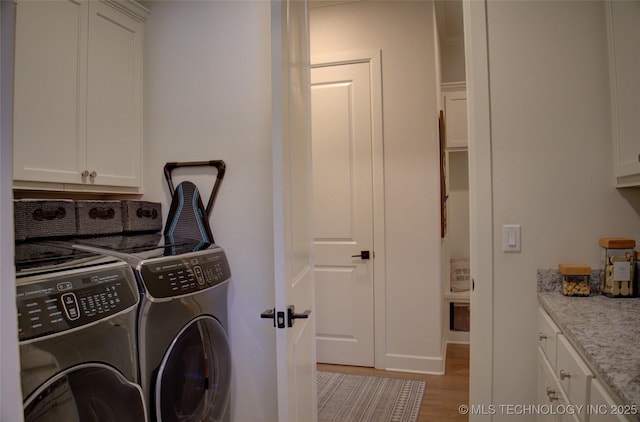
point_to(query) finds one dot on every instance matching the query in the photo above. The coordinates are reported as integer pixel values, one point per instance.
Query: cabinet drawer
(603, 406)
(573, 374)
(548, 388)
(548, 333)
(550, 393)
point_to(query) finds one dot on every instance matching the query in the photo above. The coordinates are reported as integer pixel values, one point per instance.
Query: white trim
(373, 57)
(453, 86)
(10, 394)
(131, 8)
(480, 204)
(415, 364)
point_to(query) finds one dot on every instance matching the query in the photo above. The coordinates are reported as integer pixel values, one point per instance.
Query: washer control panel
(185, 274)
(52, 304)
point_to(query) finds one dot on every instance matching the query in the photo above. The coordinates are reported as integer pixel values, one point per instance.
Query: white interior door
(480, 205)
(343, 213)
(293, 266)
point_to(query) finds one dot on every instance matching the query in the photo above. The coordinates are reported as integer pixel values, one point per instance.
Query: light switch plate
(511, 239)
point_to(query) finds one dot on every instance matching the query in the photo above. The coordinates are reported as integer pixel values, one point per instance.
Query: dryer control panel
(184, 274)
(50, 304)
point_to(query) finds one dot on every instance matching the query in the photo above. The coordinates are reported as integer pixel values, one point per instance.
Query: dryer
(184, 355)
(77, 336)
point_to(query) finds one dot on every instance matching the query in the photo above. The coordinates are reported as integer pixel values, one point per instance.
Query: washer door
(194, 377)
(86, 393)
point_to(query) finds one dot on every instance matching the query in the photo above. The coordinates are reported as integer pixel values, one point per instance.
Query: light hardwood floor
(443, 394)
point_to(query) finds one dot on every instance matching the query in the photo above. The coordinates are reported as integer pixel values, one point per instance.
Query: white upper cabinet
(454, 102)
(49, 90)
(78, 95)
(623, 21)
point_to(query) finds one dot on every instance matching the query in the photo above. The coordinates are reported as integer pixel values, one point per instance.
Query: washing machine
(184, 355)
(77, 315)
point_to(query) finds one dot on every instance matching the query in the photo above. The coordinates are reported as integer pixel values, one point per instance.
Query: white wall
(207, 96)
(458, 205)
(452, 59)
(552, 165)
(403, 31)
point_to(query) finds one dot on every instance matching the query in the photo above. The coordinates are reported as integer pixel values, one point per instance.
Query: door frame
(10, 392)
(481, 362)
(373, 58)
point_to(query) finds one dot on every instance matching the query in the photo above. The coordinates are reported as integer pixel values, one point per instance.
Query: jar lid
(617, 242)
(574, 269)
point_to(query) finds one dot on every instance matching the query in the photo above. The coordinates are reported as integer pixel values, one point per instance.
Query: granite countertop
(606, 332)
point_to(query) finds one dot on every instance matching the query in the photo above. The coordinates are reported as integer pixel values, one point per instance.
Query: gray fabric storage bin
(19, 224)
(98, 217)
(48, 218)
(141, 216)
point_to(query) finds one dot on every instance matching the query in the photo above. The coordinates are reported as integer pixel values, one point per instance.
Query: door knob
(291, 315)
(363, 255)
(277, 317)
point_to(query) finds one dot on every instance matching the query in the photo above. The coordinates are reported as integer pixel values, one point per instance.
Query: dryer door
(194, 378)
(89, 392)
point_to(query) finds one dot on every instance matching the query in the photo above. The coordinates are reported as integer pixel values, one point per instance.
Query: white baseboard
(415, 364)
(457, 337)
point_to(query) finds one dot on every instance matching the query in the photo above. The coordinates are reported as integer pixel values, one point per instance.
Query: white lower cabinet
(603, 408)
(566, 383)
(547, 336)
(548, 389)
(554, 406)
(573, 375)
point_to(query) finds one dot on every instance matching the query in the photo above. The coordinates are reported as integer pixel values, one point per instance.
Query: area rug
(358, 398)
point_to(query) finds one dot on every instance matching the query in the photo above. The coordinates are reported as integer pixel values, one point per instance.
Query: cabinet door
(114, 102)
(573, 374)
(547, 336)
(455, 114)
(49, 91)
(623, 20)
(549, 393)
(604, 408)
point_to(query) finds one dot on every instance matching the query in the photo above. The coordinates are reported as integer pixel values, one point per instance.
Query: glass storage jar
(618, 264)
(575, 279)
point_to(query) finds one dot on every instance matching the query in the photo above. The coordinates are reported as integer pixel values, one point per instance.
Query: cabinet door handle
(542, 336)
(564, 374)
(91, 175)
(551, 393)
